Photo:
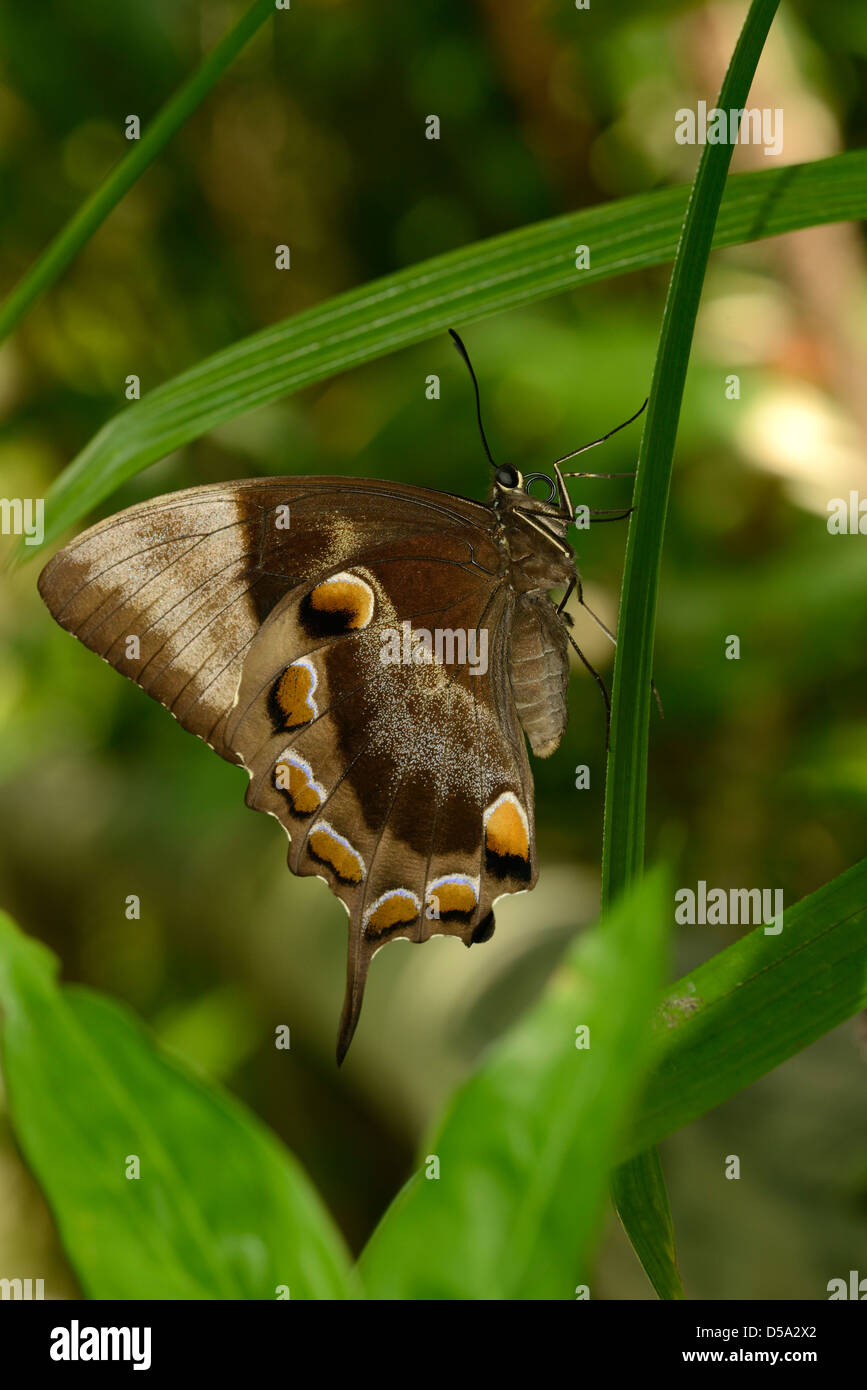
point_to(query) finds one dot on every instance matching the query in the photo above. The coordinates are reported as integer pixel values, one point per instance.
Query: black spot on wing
(324, 622)
(502, 866)
(484, 931)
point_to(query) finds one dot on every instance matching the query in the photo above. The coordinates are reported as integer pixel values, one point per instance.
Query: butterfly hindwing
(402, 782)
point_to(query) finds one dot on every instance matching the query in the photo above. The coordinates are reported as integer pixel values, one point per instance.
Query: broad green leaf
(462, 286)
(220, 1209)
(756, 1004)
(525, 1147)
(639, 1191)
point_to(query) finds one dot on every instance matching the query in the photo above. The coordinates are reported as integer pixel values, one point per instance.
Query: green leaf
(155, 136)
(526, 1145)
(479, 280)
(639, 1191)
(756, 1004)
(220, 1209)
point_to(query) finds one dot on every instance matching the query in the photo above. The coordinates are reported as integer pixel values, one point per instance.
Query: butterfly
(375, 655)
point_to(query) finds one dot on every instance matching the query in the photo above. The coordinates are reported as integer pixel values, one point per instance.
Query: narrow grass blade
(512, 1208)
(639, 1190)
(157, 134)
(477, 281)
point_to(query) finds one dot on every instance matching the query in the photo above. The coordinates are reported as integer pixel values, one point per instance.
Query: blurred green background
(759, 770)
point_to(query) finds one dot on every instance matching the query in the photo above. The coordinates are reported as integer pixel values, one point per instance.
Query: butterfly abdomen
(539, 672)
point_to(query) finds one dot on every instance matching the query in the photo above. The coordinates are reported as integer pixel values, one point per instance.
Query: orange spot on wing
(295, 777)
(345, 593)
(335, 850)
(506, 831)
(292, 693)
(396, 909)
(454, 895)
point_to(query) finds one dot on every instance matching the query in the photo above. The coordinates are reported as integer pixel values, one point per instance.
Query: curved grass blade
(158, 132)
(640, 1189)
(517, 268)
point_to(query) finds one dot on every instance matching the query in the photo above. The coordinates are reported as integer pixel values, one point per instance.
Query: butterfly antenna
(601, 440)
(356, 977)
(465, 355)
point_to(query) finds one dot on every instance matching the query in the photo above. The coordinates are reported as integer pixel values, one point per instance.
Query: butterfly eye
(507, 476)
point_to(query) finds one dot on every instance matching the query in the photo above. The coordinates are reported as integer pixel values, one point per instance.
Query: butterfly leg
(630, 474)
(576, 583)
(608, 633)
(599, 681)
(597, 620)
(601, 513)
(566, 509)
(564, 618)
(609, 513)
(601, 440)
(529, 520)
(566, 597)
(563, 495)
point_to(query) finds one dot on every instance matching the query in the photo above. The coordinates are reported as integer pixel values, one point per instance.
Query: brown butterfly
(373, 654)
